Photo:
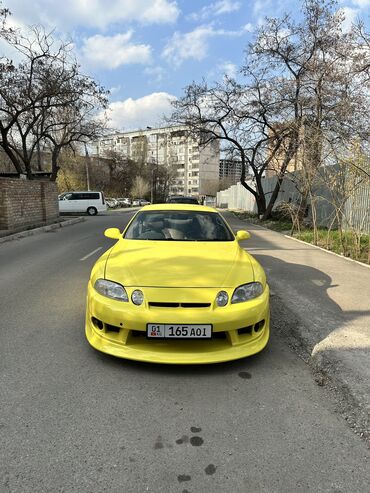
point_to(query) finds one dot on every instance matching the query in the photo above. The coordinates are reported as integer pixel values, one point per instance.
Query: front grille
(138, 333)
(112, 328)
(101, 325)
(215, 335)
(178, 305)
(164, 305)
(218, 335)
(245, 330)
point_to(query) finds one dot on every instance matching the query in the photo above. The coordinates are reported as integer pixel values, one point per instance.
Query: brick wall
(26, 203)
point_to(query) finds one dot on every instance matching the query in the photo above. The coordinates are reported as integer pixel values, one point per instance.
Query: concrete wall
(237, 197)
(25, 203)
(356, 212)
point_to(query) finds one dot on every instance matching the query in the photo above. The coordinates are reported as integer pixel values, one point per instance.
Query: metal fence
(356, 212)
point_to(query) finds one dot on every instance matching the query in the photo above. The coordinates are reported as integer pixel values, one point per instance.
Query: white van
(90, 202)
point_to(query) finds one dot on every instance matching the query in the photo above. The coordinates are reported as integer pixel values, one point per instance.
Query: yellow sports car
(177, 288)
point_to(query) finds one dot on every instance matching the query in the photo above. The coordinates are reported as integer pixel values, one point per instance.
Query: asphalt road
(75, 420)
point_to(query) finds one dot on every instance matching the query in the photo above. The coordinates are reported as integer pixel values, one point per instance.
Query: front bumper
(119, 328)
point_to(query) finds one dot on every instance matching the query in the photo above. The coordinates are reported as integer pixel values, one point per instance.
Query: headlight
(247, 292)
(137, 297)
(222, 298)
(111, 289)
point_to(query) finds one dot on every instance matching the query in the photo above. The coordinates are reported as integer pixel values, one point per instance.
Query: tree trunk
(13, 158)
(54, 163)
(292, 150)
(260, 198)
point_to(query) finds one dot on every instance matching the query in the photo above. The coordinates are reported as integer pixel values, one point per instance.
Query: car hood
(178, 264)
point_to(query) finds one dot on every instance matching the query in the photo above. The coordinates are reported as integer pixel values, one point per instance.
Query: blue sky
(146, 51)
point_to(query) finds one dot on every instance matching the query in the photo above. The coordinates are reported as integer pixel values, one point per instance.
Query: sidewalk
(321, 302)
(61, 223)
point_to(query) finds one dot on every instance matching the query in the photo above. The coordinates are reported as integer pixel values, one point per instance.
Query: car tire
(92, 211)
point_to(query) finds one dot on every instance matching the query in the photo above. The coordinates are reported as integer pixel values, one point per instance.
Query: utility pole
(152, 188)
(87, 157)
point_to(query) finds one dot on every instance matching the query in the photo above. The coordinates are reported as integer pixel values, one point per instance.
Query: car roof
(178, 207)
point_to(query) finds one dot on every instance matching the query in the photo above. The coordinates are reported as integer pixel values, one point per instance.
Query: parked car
(140, 202)
(181, 199)
(85, 201)
(112, 203)
(177, 287)
(124, 201)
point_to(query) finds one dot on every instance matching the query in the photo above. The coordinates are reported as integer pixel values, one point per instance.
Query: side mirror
(242, 235)
(113, 233)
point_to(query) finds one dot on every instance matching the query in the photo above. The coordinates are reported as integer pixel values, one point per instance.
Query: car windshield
(179, 226)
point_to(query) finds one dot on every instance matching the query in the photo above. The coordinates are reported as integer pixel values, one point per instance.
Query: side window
(76, 196)
(67, 196)
(92, 196)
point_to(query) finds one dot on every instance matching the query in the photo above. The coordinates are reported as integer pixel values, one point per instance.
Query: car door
(81, 201)
(65, 204)
(78, 202)
(94, 200)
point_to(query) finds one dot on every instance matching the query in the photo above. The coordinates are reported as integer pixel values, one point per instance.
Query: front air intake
(178, 305)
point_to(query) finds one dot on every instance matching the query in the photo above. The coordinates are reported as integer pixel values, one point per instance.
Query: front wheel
(92, 211)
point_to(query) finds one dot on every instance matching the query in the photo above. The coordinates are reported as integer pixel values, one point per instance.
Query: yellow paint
(180, 271)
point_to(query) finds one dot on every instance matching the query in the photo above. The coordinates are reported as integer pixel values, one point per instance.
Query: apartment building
(196, 166)
(230, 168)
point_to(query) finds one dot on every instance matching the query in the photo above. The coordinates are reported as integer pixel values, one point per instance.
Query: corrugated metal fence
(356, 212)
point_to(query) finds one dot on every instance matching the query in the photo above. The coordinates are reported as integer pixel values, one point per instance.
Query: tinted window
(182, 200)
(179, 226)
(84, 196)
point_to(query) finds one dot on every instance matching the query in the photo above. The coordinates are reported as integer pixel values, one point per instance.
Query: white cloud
(260, 6)
(188, 45)
(115, 89)
(113, 51)
(229, 69)
(349, 15)
(361, 3)
(155, 74)
(216, 8)
(94, 13)
(222, 69)
(225, 6)
(194, 44)
(248, 27)
(138, 113)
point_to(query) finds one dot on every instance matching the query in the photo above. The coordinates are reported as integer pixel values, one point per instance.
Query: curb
(305, 242)
(324, 250)
(41, 229)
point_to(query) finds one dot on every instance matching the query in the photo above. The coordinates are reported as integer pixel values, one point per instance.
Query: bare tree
(4, 29)
(140, 187)
(122, 172)
(45, 100)
(237, 115)
(298, 98)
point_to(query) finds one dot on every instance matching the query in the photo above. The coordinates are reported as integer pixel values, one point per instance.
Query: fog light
(137, 297)
(222, 298)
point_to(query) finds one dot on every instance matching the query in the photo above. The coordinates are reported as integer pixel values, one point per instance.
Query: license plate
(175, 331)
